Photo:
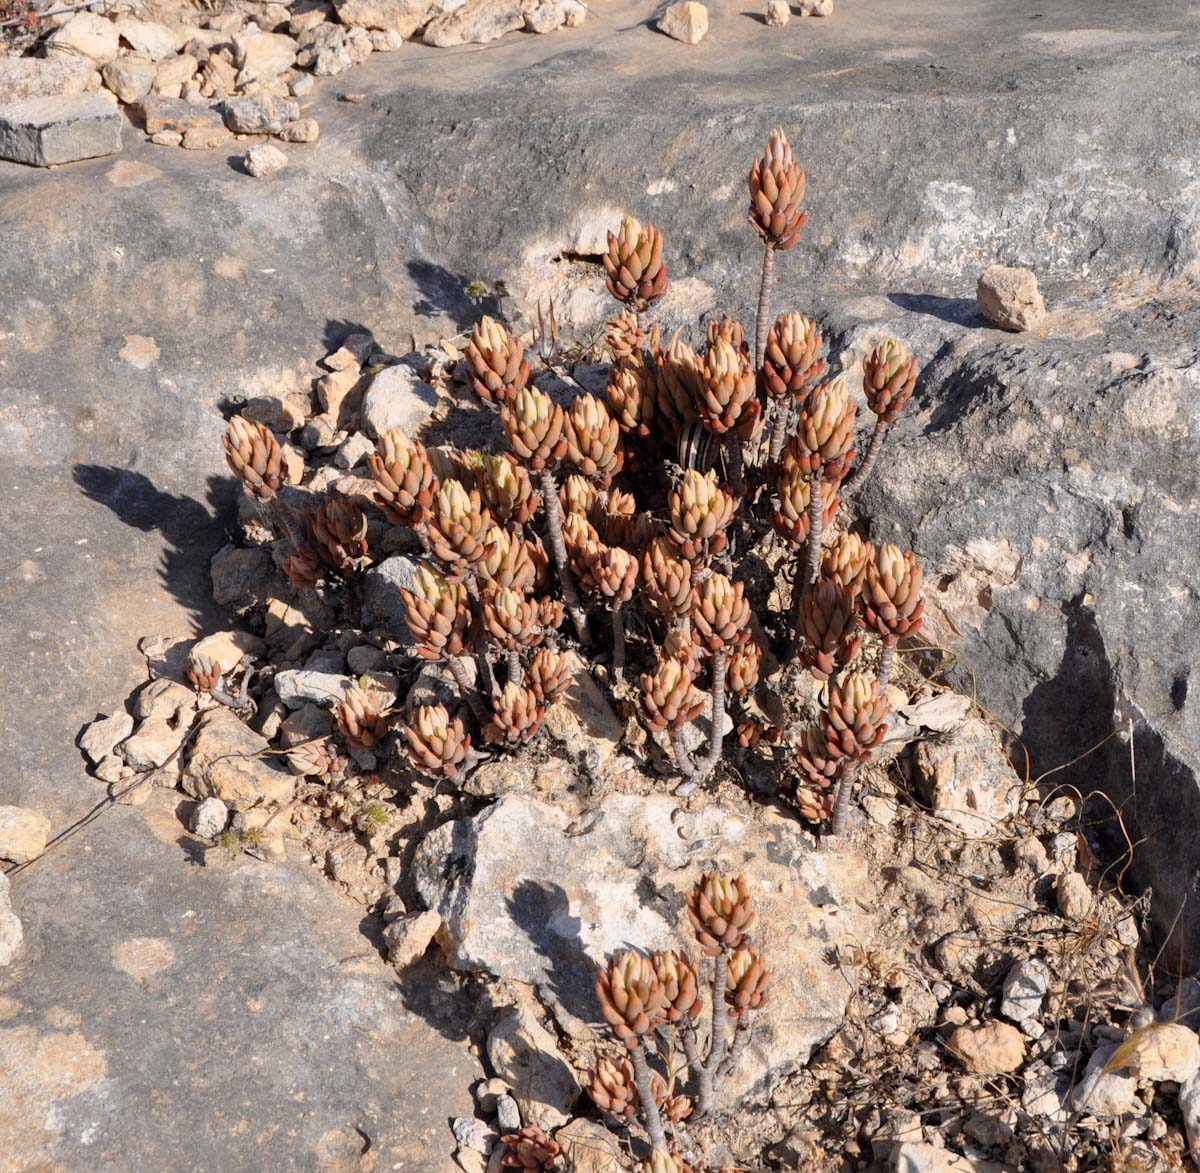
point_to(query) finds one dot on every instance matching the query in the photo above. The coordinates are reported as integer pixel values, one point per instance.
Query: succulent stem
(887, 661)
(706, 1077)
(559, 549)
(816, 523)
(641, 1080)
(514, 666)
(861, 473)
(681, 754)
(740, 1039)
(779, 431)
(469, 691)
(841, 809)
(483, 662)
(618, 634)
(733, 451)
(717, 736)
(764, 305)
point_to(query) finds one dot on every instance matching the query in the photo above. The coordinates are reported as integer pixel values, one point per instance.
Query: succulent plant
(669, 697)
(510, 619)
(727, 329)
(631, 996)
(744, 666)
(892, 601)
(530, 1148)
(511, 561)
(303, 567)
(533, 423)
(631, 396)
(700, 512)
(667, 578)
(311, 759)
(404, 478)
(549, 674)
(457, 527)
(438, 614)
(720, 613)
(791, 366)
(634, 265)
(338, 533)
(829, 624)
(855, 719)
(748, 980)
(823, 443)
(593, 437)
(676, 384)
(680, 644)
(845, 560)
(612, 1088)
(889, 376)
(517, 715)
(497, 368)
(437, 744)
(203, 672)
(361, 717)
(680, 984)
(255, 456)
(625, 338)
(791, 515)
(721, 911)
(506, 488)
(726, 386)
(579, 495)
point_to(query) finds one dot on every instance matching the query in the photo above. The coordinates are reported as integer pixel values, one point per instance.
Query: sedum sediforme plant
(628, 525)
(653, 1004)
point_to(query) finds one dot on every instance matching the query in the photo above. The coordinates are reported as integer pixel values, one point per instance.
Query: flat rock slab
(61, 128)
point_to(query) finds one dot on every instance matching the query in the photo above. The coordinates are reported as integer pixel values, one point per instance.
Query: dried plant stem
(469, 691)
(717, 736)
(641, 1079)
(681, 754)
(706, 1077)
(779, 430)
(841, 808)
(559, 549)
(733, 452)
(618, 634)
(740, 1039)
(514, 666)
(887, 661)
(861, 473)
(483, 662)
(764, 305)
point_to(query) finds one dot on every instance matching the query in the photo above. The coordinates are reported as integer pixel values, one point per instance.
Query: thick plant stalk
(779, 431)
(860, 474)
(483, 662)
(740, 1039)
(681, 755)
(764, 305)
(816, 523)
(841, 809)
(641, 1080)
(706, 1077)
(618, 634)
(887, 661)
(565, 577)
(469, 691)
(717, 736)
(514, 666)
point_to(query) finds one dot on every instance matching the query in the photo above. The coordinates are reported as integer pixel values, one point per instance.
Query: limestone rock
(306, 723)
(262, 55)
(43, 132)
(11, 934)
(208, 818)
(227, 647)
(147, 37)
(100, 737)
(1162, 1050)
(39, 77)
(154, 741)
(686, 21)
(260, 114)
(967, 780)
(333, 388)
(1025, 987)
(1105, 1093)
(85, 35)
(225, 761)
(23, 834)
(397, 398)
(474, 23)
(382, 608)
(1074, 896)
(991, 1049)
(917, 1157)
(525, 1055)
(407, 937)
(205, 138)
(130, 78)
(353, 451)
(816, 7)
(163, 698)
(547, 914)
(264, 159)
(589, 1147)
(241, 576)
(779, 12)
(545, 18)
(353, 352)
(347, 48)
(473, 1134)
(303, 130)
(280, 415)
(1010, 297)
(385, 40)
(401, 16)
(297, 687)
(173, 74)
(1189, 1105)
(173, 114)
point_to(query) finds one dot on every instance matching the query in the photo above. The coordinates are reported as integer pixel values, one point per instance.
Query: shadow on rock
(442, 293)
(191, 531)
(961, 311)
(542, 912)
(441, 999)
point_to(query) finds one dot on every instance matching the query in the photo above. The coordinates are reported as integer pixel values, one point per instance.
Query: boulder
(226, 761)
(63, 128)
(262, 56)
(407, 937)
(474, 23)
(401, 16)
(173, 74)
(130, 78)
(163, 698)
(577, 890)
(967, 779)
(1010, 298)
(397, 398)
(23, 834)
(39, 77)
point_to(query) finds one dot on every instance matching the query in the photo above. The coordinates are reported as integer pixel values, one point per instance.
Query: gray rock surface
(209, 818)
(382, 607)
(397, 398)
(578, 890)
(61, 128)
(1025, 987)
(38, 77)
(525, 1055)
(297, 687)
(11, 934)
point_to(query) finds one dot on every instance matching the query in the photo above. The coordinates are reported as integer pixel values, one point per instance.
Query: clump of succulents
(622, 524)
(675, 1056)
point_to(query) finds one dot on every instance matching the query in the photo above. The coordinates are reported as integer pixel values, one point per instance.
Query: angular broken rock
(991, 1049)
(297, 687)
(401, 16)
(174, 114)
(209, 818)
(155, 740)
(264, 159)
(576, 891)
(397, 398)
(382, 606)
(260, 114)
(130, 78)
(1025, 987)
(11, 934)
(23, 834)
(43, 132)
(85, 35)
(262, 55)
(779, 12)
(1105, 1093)
(474, 23)
(173, 74)
(407, 937)
(525, 1055)
(99, 738)
(1010, 297)
(1162, 1050)
(686, 21)
(303, 130)
(38, 77)
(967, 779)
(226, 761)
(148, 37)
